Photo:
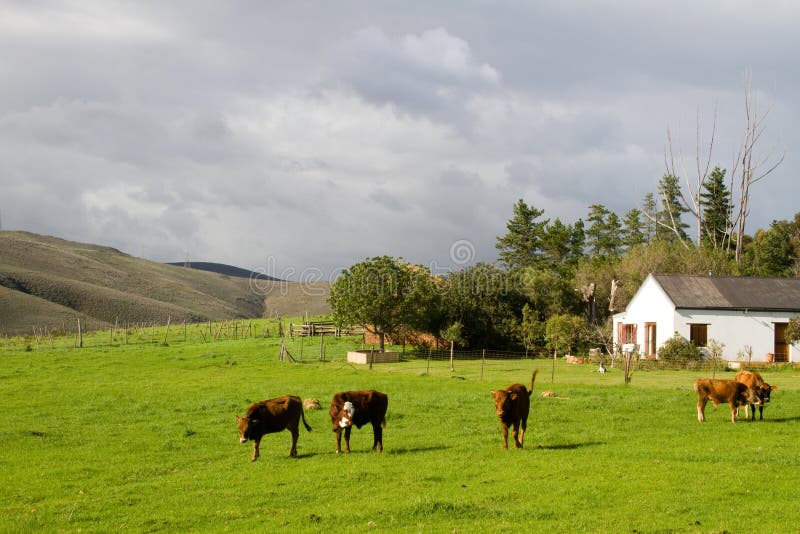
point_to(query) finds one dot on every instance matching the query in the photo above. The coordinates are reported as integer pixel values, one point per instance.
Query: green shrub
(678, 349)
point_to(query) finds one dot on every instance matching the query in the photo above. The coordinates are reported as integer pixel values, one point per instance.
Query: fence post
(80, 334)
(428, 370)
(483, 361)
(166, 334)
(371, 356)
(322, 347)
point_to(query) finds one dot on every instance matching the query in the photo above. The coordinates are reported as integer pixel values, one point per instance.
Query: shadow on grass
(776, 420)
(569, 446)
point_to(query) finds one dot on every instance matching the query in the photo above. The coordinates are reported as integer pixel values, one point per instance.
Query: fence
(332, 345)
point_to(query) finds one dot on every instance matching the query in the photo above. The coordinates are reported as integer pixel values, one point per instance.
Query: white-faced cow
(761, 389)
(358, 408)
(513, 405)
(722, 391)
(269, 416)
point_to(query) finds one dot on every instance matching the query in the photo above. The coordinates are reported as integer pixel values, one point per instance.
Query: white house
(739, 312)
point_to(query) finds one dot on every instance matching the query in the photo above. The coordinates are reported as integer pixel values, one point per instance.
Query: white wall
(737, 329)
(650, 304)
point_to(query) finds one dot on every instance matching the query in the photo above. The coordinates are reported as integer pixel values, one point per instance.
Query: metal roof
(731, 292)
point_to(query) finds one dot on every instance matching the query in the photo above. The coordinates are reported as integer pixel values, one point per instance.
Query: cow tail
(303, 416)
(533, 379)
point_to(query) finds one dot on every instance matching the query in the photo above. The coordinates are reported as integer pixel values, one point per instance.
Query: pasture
(143, 438)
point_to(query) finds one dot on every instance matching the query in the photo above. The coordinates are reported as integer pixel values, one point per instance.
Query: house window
(626, 334)
(698, 334)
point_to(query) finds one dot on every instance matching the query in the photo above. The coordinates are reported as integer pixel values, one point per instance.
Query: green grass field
(142, 438)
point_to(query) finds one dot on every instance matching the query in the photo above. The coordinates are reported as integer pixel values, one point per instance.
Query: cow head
(763, 393)
(503, 401)
(748, 396)
(245, 425)
(345, 418)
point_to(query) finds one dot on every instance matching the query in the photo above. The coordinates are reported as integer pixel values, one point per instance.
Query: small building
(739, 312)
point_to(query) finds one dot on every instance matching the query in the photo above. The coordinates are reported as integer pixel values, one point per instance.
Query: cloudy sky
(300, 137)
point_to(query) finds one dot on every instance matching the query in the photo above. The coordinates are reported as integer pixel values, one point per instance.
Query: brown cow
(358, 408)
(269, 416)
(513, 405)
(759, 387)
(721, 391)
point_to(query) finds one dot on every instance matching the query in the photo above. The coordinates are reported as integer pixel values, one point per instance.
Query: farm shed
(739, 312)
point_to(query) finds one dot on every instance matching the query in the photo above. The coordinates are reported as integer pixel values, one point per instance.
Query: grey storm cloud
(309, 136)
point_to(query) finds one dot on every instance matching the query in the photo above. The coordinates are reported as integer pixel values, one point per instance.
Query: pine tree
(596, 233)
(669, 225)
(715, 201)
(633, 229)
(649, 211)
(522, 244)
(613, 237)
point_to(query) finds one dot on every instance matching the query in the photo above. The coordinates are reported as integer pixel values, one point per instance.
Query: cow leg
(295, 434)
(523, 429)
(760, 413)
(347, 439)
(256, 444)
(733, 411)
(377, 435)
(516, 434)
(504, 429)
(701, 407)
(338, 440)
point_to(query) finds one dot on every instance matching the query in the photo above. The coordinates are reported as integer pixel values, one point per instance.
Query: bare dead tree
(747, 169)
(700, 174)
(750, 168)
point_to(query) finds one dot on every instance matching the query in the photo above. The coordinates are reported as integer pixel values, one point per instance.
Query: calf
(269, 416)
(513, 405)
(358, 408)
(721, 391)
(761, 389)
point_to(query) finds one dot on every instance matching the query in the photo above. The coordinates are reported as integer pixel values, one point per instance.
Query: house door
(781, 347)
(650, 340)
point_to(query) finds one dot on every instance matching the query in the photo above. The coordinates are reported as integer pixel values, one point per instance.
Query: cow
(513, 405)
(722, 391)
(269, 416)
(759, 387)
(358, 408)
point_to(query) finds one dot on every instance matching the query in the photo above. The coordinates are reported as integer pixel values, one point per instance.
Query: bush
(678, 349)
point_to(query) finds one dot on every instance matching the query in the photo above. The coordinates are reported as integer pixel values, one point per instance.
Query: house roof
(731, 292)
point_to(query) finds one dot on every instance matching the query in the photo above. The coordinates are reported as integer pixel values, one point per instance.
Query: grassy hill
(49, 282)
(221, 268)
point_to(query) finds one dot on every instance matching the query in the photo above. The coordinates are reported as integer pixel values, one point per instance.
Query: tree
(649, 211)
(669, 226)
(487, 301)
(561, 332)
(383, 294)
(751, 168)
(793, 331)
(453, 334)
(596, 234)
(531, 329)
(771, 252)
(633, 229)
(556, 246)
(521, 246)
(715, 201)
(613, 235)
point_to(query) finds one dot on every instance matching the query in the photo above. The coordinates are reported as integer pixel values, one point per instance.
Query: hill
(49, 282)
(221, 268)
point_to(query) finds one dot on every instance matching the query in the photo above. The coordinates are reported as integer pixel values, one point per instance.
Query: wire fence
(329, 347)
